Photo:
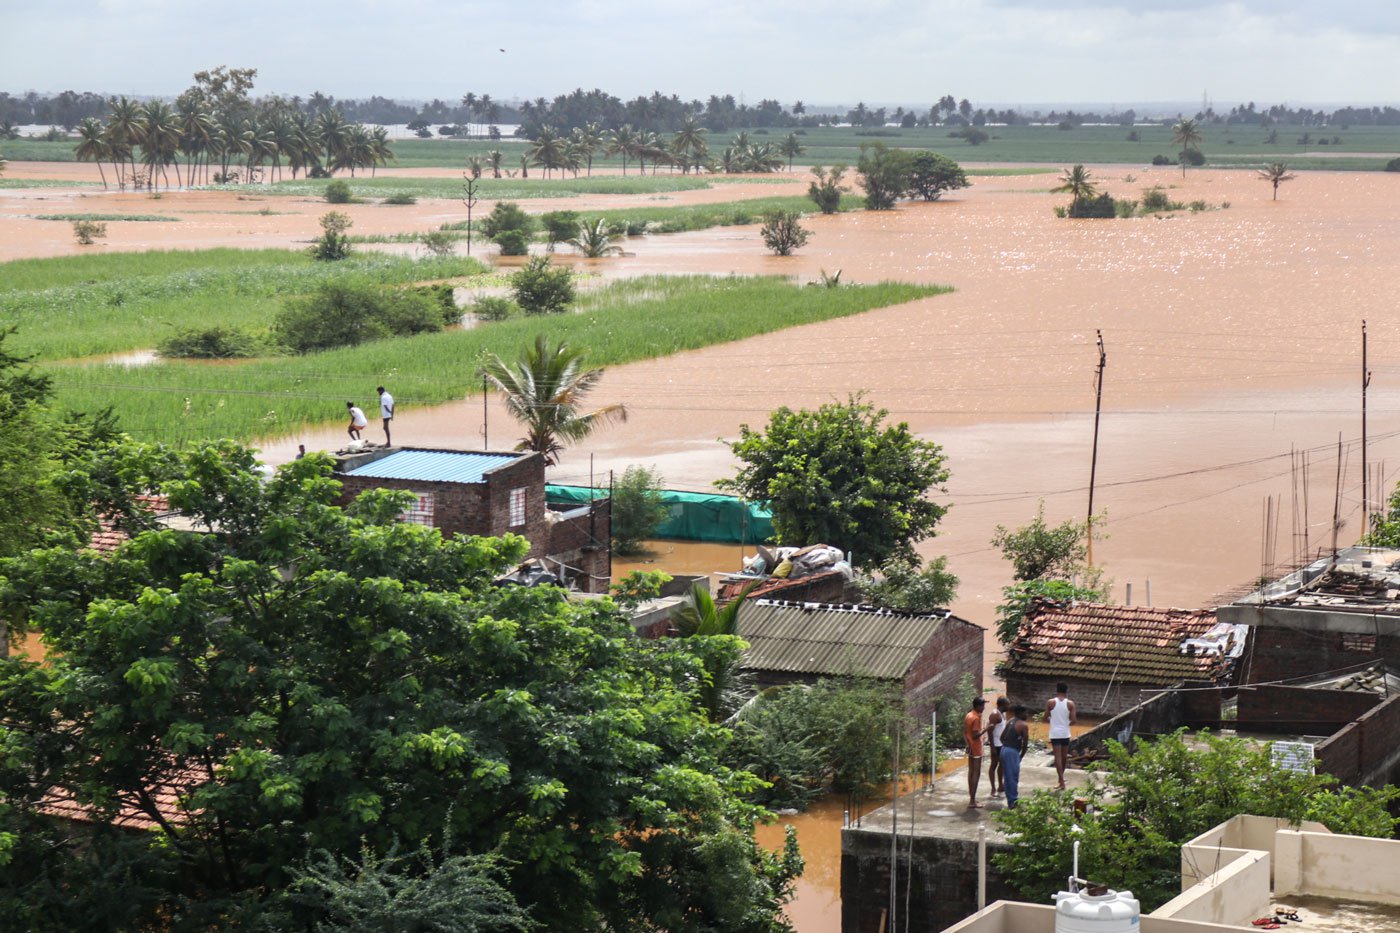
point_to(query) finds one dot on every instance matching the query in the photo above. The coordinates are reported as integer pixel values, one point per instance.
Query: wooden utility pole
(1365, 476)
(485, 414)
(1094, 457)
(469, 198)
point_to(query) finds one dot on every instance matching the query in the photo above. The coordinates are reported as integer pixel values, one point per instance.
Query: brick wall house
(489, 493)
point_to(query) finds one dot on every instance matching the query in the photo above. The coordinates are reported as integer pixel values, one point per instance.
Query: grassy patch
(116, 302)
(491, 189)
(8, 183)
(702, 216)
(141, 217)
(625, 321)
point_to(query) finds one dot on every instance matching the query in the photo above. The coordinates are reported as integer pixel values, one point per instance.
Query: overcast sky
(885, 51)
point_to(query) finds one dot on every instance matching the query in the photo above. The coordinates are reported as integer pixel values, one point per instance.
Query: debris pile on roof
(782, 567)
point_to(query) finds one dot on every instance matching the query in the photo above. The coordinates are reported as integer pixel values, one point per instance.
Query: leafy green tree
(1187, 135)
(637, 508)
(506, 215)
(1039, 551)
(905, 586)
(1020, 597)
(544, 390)
(348, 313)
(792, 147)
(1152, 800)
(884, 174)
(333, 244)
(1078, 183)
(931, 174)
(539, 287)
(840, 476)
(826, 190)
(783, 232)
(322, 683)
(1385, 527)
(1276, 173)
(559, 226)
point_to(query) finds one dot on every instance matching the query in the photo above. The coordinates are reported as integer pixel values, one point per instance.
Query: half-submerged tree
(1187, 135)
(1276, 173)
(544, 390)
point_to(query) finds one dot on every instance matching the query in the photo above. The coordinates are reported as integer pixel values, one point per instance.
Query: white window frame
(517, 507)
(421, 512)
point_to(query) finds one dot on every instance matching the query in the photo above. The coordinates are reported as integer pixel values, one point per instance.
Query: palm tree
(495, 159)
(1276, 174)
(1077, 184)
(622, 141)
(543, 391)
(593, 241)
(197, 130)
(791, 147)
(92, 146)
(699, 617)
(1187, 135)
(379, 149)
(160, 140)
(589, 139)
(546, 150)
(124, 131)
(689, 142)
(334, 134)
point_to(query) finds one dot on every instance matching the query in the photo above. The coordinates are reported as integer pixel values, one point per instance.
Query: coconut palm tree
(92, 145)
(546, 150)
(791, 147)
(1077, 183)
(1276, 174)
(1187, 135)
(689, 142)
(593, 241)
(543, 390)
(379, 149)
(623, 141)
(124, 131)
(495, 159)
(197, 129)
(334, 134)
(160, 140)
(698, 616)
(588, 139)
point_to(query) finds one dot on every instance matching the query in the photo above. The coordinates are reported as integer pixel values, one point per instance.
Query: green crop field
(84, 306)
(156, 218)
(488, 189)
(180, 402)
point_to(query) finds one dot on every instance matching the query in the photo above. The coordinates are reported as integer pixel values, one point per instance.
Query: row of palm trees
(687, 149)
(240, 144)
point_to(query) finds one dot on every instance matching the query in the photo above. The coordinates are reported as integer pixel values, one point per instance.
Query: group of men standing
(1007, 731)
(359, 422)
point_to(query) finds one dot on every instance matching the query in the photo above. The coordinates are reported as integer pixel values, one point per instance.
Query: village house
(927, 653)
(493, 493)
(1109, 655)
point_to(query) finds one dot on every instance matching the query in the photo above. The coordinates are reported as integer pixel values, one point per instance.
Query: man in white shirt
(357, 420)
(386, 411)
(1059, 712)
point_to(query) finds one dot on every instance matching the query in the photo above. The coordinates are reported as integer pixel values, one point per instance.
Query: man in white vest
(1059, 713)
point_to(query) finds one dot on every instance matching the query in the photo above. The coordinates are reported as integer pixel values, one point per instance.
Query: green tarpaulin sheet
(694, 516)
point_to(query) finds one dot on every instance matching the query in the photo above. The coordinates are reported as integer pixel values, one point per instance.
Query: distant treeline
(667, 113)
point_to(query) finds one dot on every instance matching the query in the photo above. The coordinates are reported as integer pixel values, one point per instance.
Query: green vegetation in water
(126, 301)
(701, 216)
(490, 189)
(152, 218)
(637, 319)
(6, 183)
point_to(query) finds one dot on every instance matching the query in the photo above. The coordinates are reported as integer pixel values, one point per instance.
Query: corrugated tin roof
(441, 466)
(818, 638)
(1126, 644)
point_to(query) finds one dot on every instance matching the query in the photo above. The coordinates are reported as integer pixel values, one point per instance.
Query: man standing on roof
(1014, 739)
(1059, 712)
(386, 411)
(972, 734)
(996, 725)
(358, 421)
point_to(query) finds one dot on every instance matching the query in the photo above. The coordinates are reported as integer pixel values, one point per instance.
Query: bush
(343, 314)
(332, 244)
(317, 171)
(1194, 157)
(89, 231)
(826, 190)
(1162, 160)
(884, 173)
(338, 192)
(398, 197)
(506, 215)
(1393, 165)
(783, 232)
(442, 295)
(209, 343)
(1155, 199)
(932, 173)
(539, 288)
(439, 243)
(1196, 206)
(559, 226)
(1125, 208)
(494, 309)
(1099, 207)
(637, 508)
(513, 242)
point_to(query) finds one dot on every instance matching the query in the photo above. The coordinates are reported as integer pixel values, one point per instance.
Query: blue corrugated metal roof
(441, 466)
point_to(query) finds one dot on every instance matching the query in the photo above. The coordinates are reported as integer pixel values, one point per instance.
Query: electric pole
(1094, 457)
(469, 198)
(1365, 479)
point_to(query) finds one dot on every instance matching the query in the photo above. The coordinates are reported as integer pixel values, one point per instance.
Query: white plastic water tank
(1114, 912)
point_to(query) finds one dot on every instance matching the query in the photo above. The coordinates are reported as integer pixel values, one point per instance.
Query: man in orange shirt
(972, 735)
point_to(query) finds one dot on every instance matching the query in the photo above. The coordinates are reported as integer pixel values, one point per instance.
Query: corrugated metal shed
(818, 638)
(441, 466)
(1128, 644)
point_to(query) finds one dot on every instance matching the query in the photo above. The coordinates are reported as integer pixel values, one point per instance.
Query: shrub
(317, 171)
(1125, 208)
(932, 173)
(783, 232)
(1194, 157)
(488, 308)
(1393, 165)
(884, 173)
(209, 343)
(439, 243)
(825, 191)
(1196, 206)
(637, 508)
(89, 231)
(506, 215)
(398, 197)
(1099, 207)
(442, 295)
(342, 314)
(338, 192)
(513, 242)
(559, 226)
(1162, 160)
(332, 244)
(1155, 199)
(539, 288)
(975, 136)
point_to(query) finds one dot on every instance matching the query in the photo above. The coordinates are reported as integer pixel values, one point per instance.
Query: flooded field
(1232, 336)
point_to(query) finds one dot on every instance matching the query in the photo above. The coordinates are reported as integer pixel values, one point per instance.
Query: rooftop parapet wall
(1351, 868)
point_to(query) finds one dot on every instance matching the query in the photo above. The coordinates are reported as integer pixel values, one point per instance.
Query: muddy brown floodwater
(1232, 338)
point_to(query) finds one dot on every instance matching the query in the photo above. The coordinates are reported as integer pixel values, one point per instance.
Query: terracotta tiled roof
(773, 587)
(165, 795)
(1126, 644)
(107, 538)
